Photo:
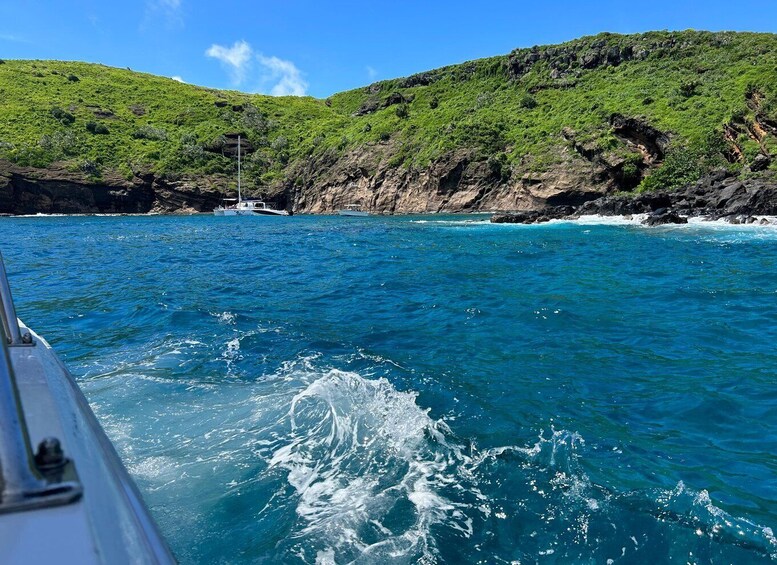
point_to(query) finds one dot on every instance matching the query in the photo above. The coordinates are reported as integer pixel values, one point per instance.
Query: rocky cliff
(717, 196)
(58, 190)
(457, 182)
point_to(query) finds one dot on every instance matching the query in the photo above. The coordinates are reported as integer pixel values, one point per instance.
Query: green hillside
(713, 94)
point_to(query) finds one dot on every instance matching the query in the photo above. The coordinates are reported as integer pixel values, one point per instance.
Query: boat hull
(247, 208)
(354, 213)
(109, 523)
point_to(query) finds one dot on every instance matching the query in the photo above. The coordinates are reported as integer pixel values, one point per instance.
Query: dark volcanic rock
(533, 216)
(760, 163)
(421, 79)
(368, 107)
(719, 195)
(640, 134)
(527, 217)
(57, 190)
(661, 218)
(395, 98)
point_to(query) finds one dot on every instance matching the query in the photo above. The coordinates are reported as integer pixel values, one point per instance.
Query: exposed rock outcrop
(637, 134)
(600, 51)
(58, 190)
(457, 182)
(719, 195)
(663, 217)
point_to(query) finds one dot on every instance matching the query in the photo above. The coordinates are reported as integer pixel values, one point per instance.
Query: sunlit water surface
(433, 389)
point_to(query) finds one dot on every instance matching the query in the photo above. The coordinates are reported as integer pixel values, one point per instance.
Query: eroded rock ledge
(717, 196)
(59, 190)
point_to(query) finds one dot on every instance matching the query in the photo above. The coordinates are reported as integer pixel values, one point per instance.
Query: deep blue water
(433, 389)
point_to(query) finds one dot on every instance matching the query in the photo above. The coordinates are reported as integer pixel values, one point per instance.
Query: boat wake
(376, 479)
(334, 467)
(370, 469)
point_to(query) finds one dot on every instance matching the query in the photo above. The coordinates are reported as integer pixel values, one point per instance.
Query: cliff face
(57, 190)
(458, 182)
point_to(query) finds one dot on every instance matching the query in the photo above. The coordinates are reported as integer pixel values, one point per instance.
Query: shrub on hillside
(631, 171)
(254, 119)
(60, 143)
(402, 111)
(527, 101)
(192, 152)
(487, 136)
(72, 78)
(498, 167)
(689, 88)
(682, 165)
(150, 132)
(484, 99)
(62, 116)
(90, 167)
(434, 102)
(280, 143)
(97, 128)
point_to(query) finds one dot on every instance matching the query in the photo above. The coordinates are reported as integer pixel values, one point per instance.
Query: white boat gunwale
(96, 516)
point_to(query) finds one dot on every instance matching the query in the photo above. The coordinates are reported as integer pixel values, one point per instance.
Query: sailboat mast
(239, 198)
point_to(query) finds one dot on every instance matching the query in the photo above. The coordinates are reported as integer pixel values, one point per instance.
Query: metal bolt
(27, 338)
(49, 454)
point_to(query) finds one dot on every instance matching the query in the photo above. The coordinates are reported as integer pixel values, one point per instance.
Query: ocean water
(430, 389)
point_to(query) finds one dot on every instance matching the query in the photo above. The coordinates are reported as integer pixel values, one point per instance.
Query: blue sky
(319, 48)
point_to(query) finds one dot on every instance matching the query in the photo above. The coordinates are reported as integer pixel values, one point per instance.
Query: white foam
(357, 447)
(225, 317)
(599, 220)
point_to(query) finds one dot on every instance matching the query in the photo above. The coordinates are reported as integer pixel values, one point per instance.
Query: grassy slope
(487, 109)
(479, 105)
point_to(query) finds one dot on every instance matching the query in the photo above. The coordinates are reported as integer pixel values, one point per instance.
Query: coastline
(718, 196)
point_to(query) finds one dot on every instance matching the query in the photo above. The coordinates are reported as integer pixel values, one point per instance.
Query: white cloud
(178, 79)
(371, 73)
(286, 76)
(279, 77)
(237, 58)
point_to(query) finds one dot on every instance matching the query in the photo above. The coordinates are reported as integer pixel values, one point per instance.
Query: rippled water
(433, 389)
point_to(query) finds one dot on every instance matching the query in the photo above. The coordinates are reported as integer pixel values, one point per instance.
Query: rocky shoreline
(717, 196)
(721, 195)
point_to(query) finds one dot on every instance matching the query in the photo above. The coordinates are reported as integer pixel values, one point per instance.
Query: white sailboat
(248, 207)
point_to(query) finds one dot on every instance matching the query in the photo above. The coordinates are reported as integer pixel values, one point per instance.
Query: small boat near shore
(248, 207)
(353, 210)
(70, 499)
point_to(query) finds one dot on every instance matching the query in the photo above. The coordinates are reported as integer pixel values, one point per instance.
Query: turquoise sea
(431, 389)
